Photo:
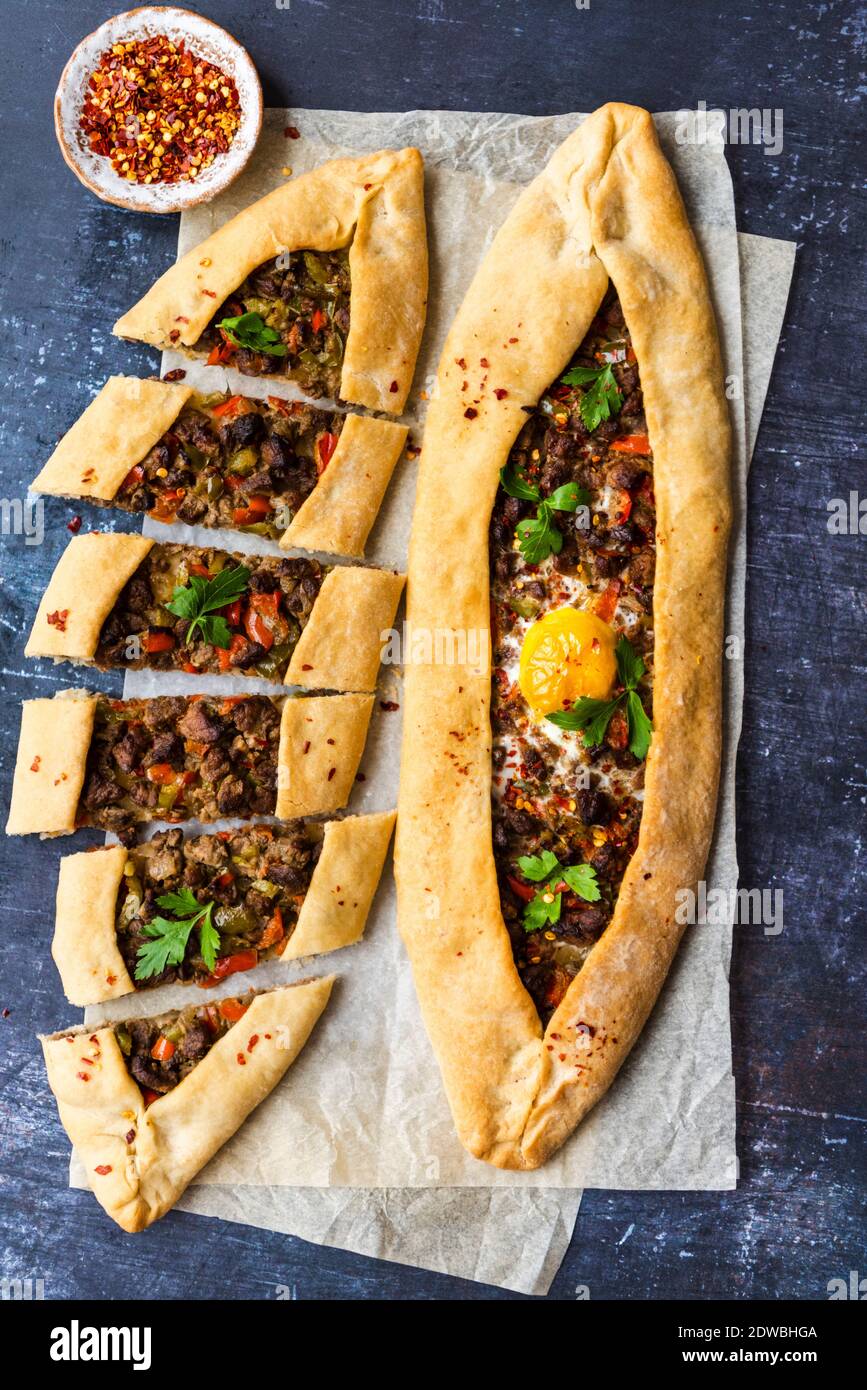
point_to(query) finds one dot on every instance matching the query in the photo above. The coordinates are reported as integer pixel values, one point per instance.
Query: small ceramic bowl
(203, 38)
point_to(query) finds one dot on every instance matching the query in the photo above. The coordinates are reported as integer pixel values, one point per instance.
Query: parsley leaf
(545, 869)
(538, 913)
(252, 332)
(630, 666)
(169, 938)
(602, 397)
(536, 867)
(569, 498)
(538, 536)
(581, 878)
(592, 717)
(516, 485)
(640, 727)
(200, 599)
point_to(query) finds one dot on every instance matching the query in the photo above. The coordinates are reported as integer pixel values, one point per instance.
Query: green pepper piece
(263, 885)
(124, 1041)
(315, 268)
(168, 796)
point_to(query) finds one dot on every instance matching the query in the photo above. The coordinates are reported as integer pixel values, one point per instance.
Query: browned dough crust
(333, 914)
(122, 423)
(607, 205)
(140, 1159)
(321, 742)
(375, 201)
(339, 647)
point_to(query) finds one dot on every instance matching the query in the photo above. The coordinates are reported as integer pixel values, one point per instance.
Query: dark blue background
(70, 265)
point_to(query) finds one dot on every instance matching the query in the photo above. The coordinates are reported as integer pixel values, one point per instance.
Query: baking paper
(363, 1106)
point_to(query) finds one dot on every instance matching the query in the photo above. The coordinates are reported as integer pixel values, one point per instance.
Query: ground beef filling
(159, 1052)
(176, 758)
(264, 623)
(549, 791)
(255, 878)
(302, 295)
(234, 462)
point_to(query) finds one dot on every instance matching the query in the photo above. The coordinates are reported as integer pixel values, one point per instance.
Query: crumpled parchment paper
(362, 1112)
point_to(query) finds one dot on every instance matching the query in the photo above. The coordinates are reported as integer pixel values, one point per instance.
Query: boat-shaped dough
(324, 279)
(306, 477)
(87, 760)
(272, 893)
(605, 209)
(208, 1067)
(117, 600)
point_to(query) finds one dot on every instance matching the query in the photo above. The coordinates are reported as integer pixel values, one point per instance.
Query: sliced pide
(281, 469)
(117, 600)
(146, 1103)
(201, 909)
(87, 760)
(581, 540)
(324, 281)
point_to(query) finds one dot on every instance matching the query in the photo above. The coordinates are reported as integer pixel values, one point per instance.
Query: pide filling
(291, 316)
(198, 910)
(572, 552)
(234, 462)
(193, 609)
(175, 758)
(159, 1052)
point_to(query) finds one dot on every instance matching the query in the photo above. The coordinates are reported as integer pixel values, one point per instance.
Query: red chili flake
(129, 1136)
(389, 705)
(483, 362)
(306, 748)
(330, 740)
(331, 773)
(367, 186)
(174, 335)
(82, 1075)
(74, 525)
(5, 1013)
(292, 132)
(254, 1038)
(241, 1060)
(179, 318)
(159, 112)
(393, 387)
(103, 1169)
(212, 294)
(111, 979)
(500, 393)
(470, 413)
(465, 386)
(58, 619)
(177, 374)
(513, 340)
(306, 667)
(34, 766)
(461, 363)
(268, 1036)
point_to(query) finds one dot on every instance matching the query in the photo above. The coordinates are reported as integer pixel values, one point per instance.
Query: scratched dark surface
(70, 266)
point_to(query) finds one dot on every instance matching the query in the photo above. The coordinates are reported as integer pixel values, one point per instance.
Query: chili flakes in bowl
(159, 112)
(158, 109)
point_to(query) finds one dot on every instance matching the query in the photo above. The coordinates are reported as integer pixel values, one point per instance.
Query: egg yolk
(566, 654)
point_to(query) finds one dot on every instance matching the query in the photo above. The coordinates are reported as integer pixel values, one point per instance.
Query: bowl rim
(139, 203)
